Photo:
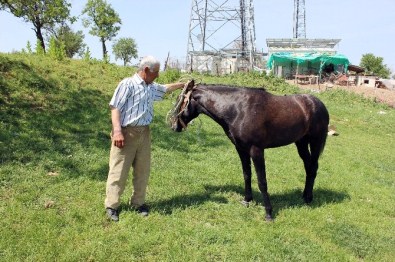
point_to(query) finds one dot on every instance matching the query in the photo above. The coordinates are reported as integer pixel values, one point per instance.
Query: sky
(160, 27)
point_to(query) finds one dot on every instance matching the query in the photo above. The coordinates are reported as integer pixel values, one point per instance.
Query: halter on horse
(181, 105)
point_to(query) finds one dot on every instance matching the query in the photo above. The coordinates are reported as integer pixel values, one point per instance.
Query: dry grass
(380, 95)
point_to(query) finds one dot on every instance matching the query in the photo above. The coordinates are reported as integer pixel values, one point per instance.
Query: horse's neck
(215, 105)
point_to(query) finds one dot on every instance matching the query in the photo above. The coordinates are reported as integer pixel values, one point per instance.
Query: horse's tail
(325, 123)
(323, 143)
(321, 119)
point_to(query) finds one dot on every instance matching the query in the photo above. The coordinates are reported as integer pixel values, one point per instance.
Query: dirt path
(381, 95)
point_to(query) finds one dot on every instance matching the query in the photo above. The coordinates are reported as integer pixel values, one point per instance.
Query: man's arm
(174, 86)
(117, 136)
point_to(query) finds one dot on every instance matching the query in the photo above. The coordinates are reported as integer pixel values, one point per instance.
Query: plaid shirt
(134, 99)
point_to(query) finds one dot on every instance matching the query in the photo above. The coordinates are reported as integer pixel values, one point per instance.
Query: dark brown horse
(254, 119)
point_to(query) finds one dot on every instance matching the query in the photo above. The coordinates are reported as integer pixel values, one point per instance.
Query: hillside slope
(44, 101)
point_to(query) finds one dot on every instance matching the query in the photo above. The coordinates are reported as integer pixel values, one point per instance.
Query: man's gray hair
(148, 61)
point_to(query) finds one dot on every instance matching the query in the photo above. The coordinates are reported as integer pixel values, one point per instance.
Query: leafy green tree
(103, 20)
(43, 14)
(29, 48)
(39, 49)
(125, 49)
(56, 49)
(375, 65)
(73, 41)
(52, 48)
(87, 54)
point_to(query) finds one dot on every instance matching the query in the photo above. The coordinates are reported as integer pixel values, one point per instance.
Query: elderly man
(131, 113)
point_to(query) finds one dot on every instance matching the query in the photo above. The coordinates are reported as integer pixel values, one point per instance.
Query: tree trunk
(103, 43)
(39, 35)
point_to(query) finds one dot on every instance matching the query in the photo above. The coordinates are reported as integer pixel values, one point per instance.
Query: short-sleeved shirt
(134, 99)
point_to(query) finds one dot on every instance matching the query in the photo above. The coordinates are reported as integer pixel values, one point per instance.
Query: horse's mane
(227, 88)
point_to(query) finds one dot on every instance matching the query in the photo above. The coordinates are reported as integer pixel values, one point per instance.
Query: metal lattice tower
(299, 29)
(221, 36)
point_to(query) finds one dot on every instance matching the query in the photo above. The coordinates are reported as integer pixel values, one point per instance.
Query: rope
(176, 111)
(173, 114)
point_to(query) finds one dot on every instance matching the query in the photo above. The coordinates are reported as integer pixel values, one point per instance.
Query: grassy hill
(54, 146)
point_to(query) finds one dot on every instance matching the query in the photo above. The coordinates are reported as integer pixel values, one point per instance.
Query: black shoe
(143, 210)
(112, 214)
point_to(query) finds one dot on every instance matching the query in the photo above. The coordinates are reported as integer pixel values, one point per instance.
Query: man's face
(150, 76)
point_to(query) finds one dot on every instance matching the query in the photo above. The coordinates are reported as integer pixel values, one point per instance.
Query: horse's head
(187, 110)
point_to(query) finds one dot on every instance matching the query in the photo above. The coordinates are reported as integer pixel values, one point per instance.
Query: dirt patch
(380, 95)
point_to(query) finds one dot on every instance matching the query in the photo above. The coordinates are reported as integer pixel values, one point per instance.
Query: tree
(87, 55)
(43, 14)
(73, 41)
(375, 65)
(39, 49)
(29, 48)
(125, 49)
(103, 21)
(56, 49)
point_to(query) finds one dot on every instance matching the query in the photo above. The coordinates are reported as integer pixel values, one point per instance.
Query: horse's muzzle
(176, 127)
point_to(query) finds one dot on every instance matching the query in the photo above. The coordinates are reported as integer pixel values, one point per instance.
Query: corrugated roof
(356, 69)
(301, 43)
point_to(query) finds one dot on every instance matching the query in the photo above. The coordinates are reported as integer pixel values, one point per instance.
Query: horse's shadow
(290, 199)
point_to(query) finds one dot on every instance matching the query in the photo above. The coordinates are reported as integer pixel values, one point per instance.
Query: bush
(169, 76)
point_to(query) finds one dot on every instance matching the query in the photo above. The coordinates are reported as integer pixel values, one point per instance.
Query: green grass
(54, 148)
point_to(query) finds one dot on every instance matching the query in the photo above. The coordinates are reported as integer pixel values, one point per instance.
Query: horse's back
(312, 110)
(273, 120)
(255, 116)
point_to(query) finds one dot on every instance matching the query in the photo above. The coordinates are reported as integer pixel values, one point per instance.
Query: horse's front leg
(257, 156)
(246, 165)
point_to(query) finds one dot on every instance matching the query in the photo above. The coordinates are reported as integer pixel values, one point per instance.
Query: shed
(291, 64)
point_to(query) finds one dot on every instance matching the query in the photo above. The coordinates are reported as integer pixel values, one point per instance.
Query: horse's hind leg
(310, 160)
(246, 165)
(317, 145)
(303, 150)
(259, 163)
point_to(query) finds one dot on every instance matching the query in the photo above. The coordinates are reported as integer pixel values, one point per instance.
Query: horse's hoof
(245, 203)
(308, 199)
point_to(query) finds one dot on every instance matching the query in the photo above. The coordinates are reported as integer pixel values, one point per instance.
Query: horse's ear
(190, 84)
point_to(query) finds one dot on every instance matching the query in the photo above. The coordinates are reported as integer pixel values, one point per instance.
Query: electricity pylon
(299, 28)
(220, 30)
